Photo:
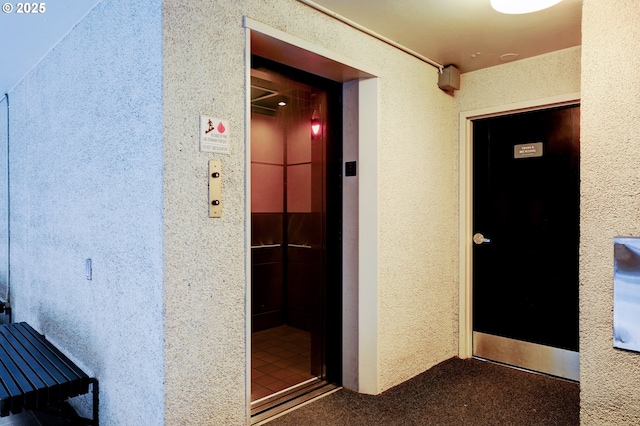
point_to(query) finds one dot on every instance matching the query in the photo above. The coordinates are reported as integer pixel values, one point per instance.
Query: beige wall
(203, 258)
(205, 265)
(530, 79)
(417, 218)
(610, 205)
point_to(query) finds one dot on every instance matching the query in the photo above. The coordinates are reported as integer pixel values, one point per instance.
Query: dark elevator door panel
(526, 205)
(267, 257)
(305, 268)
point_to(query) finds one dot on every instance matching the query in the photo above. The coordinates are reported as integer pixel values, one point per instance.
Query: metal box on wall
(626, 293)
(449, 79)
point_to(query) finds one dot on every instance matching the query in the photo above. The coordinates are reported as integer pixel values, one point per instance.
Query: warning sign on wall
(214, 135)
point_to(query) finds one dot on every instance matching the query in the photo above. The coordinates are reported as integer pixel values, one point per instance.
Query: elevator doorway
(296, 215)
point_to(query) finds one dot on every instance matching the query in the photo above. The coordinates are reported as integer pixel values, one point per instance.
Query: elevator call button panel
(215, 188)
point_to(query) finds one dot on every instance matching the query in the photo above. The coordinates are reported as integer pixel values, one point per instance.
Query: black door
(526, 224)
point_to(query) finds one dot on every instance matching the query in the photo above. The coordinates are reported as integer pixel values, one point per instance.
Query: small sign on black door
(527, 150)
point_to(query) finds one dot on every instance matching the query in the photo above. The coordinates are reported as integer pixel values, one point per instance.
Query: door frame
(465, 177)
(360, 197)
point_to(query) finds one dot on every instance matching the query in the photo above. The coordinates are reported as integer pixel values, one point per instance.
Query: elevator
(296, 231)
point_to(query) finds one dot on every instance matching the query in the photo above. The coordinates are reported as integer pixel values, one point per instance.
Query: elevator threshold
(529, 356)
(267, 408)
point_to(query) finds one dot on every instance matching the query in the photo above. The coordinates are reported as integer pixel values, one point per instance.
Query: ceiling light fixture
(514, 7)
(508, 57)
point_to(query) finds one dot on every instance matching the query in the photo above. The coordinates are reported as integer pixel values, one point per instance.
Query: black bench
(34, 373)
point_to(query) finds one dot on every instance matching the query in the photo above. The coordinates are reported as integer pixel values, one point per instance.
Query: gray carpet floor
(455, 392)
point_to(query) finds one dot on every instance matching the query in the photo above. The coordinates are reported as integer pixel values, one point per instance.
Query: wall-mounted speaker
(449, 79)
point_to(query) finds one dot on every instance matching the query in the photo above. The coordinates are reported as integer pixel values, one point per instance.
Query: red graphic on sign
(221, 128)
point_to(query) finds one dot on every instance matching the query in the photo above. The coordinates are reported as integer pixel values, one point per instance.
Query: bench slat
(10, 393)
(46, 363)
(77, 379)
(31, 386)
(25, 360)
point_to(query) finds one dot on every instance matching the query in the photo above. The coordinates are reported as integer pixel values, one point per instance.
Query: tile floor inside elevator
(280, 358)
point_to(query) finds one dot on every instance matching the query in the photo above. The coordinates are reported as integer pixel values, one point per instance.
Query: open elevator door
(296, 197)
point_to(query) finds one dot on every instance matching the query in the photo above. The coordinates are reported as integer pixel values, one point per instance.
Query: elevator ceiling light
(514, 7)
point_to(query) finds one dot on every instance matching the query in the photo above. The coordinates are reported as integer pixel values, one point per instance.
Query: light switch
(87, 269)
(215, 188)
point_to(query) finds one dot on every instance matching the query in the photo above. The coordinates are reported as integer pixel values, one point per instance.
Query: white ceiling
(446, 31)
(466, 33)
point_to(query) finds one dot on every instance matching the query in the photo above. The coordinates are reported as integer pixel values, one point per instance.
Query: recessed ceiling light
(282, 103)
(514, 7)
(508, 57)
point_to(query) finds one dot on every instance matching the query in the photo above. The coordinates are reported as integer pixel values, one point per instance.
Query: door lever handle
(478, 238)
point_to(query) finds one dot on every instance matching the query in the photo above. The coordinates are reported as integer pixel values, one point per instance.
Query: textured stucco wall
(610, 202)
(86, 182)
(418, 277)
(205, 258)
(529, 79)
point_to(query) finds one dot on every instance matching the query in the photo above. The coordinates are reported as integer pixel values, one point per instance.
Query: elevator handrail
(298, 245)
(266, 246)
